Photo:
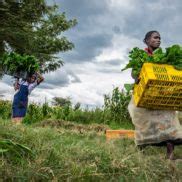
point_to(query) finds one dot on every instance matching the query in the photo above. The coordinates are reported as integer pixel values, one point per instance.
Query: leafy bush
(114, 112)
(116, 106)
(34, 114)
(5, 109)
(86, 116)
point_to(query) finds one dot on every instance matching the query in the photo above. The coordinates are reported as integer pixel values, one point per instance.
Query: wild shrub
(114, 111)
(5, 109)
(116, 106)
(34, 114)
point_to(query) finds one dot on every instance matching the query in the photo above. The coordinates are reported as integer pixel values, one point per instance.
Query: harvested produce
(172, 56)
(13, 63)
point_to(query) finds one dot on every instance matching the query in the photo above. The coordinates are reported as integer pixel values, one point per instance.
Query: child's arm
(16, 84)
(40, 78)
(134, 76)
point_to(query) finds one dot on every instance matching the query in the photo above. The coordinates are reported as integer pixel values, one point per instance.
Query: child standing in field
(155, 127)
(20, 101)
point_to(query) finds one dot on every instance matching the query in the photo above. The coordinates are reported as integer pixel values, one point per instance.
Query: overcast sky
(106, 31)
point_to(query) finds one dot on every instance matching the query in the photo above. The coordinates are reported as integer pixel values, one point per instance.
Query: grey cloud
(164, 16)
(85, 11)
(86, 48)
(60, 78)
(47, 86)
(74, 77)
(78, 8)
(97, 21)
(109, 66)
(110, 70)
(87, 35)
(8, 80)
(114, 62)
(116, 29)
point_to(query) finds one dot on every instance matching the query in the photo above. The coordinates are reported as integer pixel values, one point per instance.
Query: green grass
(66, 151)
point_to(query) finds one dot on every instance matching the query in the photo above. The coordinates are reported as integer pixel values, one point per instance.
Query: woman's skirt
(19, 108)
(154, 126)
(19, 112)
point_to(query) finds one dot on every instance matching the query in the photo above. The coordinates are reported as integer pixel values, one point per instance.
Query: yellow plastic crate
(160, 87)
(114, 134)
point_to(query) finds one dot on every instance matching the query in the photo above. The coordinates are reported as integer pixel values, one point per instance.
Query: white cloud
(161, 5)
(119, 48)
(122, 4)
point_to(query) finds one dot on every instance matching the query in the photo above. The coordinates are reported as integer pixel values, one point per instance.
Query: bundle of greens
(13, 63)
(172, 56)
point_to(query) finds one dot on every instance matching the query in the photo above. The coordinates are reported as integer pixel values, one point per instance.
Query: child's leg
(17, 120)
(170, 150)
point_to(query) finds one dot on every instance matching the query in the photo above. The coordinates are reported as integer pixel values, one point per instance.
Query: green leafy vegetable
(172, 56)
(13, 63)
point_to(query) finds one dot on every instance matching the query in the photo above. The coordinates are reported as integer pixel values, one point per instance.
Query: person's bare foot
(17, 121)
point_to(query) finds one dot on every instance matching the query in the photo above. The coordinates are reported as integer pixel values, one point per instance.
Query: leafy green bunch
(172, 56)
(13, 63)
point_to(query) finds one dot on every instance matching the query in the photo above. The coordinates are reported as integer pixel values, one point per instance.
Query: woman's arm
(134, 76)
(40, 78)
(16, 84)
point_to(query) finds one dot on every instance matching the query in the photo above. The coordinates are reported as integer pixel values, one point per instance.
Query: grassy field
(56, 150)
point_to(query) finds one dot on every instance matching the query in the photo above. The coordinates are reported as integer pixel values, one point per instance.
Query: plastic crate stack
(160, 87)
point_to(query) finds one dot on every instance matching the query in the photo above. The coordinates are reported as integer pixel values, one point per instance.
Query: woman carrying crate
(20, 101)
(155, 127)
